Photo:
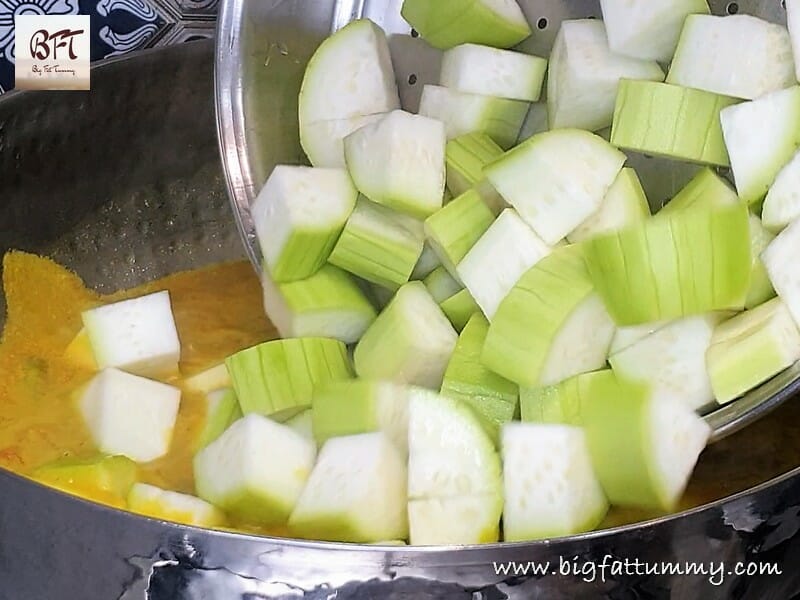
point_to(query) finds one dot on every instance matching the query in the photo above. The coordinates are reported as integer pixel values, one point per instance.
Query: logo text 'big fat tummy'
(52, 52)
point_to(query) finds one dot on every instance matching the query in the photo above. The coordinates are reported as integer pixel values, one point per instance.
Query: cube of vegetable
(79, 352)
(276, 378)
(328, 304)
(780, 260)
(221, 410)
(377, 246)
(498, 259)
(371, 507)
(129, 415)
(648, 30)
(459, 309)
(452, 461)
(136, 335)
(441, 285)
(584, 76)
(551, 326)
(298, 217)
(673, 360)
(691, 262)
(105, 479)
(500, 73)
(557, 179)
(671, 121)
(710, 56)
(240, 474)
(350, 75)
(761, 137)
(454, 229)
(465, 158)
(343, 408)
(550, 487)
(448, 23)
(624, 204)
(410, 341)
(493, 398)
(172, 506)
(752, 347)
(398, 161)
(463, 113)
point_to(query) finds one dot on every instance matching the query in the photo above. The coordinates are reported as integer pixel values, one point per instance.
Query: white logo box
(52, 52)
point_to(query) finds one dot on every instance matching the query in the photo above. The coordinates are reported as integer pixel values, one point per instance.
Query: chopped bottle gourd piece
(463, 113)
(585, 74)
(129, 415)
(327, 304)
(447, 23)
(551, 326)
(212, 379)
(780, 260)
(493, 72)
(459, 309)
(465, 158)
(154, 502)
(372, 506)
(782, 204)
(298, 216)
(761, 288)
(557, 179)
(410, 341)
(671, 121)
(752, 347)
(323, 141)
(648, 30)
(398, 161)
(441, 285)
(104, 478)
(493, 398)
(711, 56)
(550, 487)
(276, 378)
(222, 410)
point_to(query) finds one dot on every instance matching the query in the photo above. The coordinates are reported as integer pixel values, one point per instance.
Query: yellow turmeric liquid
(218, 311)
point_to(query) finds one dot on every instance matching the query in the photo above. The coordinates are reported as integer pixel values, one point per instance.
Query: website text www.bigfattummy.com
(611, 568)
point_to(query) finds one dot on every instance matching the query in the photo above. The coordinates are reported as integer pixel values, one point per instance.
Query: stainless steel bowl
(123, 184)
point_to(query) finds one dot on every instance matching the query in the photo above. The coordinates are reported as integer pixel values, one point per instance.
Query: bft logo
(52, 52)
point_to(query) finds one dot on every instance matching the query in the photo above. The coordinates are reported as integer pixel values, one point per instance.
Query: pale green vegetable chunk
(239, 473)
(643, 447)
(493, 397)
(328, 304)
(584, 76)
(453, 230)
(465, 158)
(441, 285)
(276, 378)
(459, 309)
(752, 347)
(453, 470)
(463, 113)
(557, 179)
(410, 341)
(372, 506)
(648, 30)
(222, 409)
(377, 245)
(350, 75)
(711, 56)
(106, 479)
(136, 335)
(551, 326)
(501, 73)
(782, 204)
(498, 259)
(705, 190)
(398, 161)
(558, 404)
(672, 360)
(780, 260)
(172, 506)
(624, 204)
(361, 406)
(761, 137)
(691, 262)
(298, 217)
(671, 121)
(447, 23)
(550, 487)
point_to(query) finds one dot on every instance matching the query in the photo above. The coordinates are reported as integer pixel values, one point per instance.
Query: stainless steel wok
(123, 184)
